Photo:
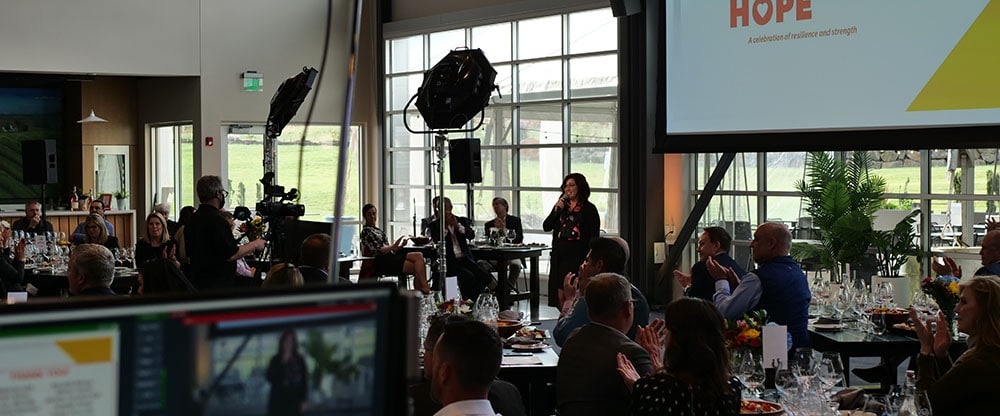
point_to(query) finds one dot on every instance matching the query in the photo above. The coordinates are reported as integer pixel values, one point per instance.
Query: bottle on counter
(73, 200)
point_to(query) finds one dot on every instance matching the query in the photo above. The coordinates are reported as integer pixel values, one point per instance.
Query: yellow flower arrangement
(745, 332)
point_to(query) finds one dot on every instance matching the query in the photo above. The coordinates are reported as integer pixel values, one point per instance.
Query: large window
(317, 166)
(557, 113)
(172, 166)
(957, 190)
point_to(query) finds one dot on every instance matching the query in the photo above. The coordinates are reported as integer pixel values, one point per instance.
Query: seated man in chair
(472, 279)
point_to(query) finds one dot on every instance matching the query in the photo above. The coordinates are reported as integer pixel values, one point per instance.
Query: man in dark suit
(425, 223)
(314, 260)
(607, 255)
(472, 279)
(713, 243)
(587, 377)
(504, 397)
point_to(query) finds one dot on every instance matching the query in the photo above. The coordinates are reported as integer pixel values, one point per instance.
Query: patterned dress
(664, 394)
(386, 264)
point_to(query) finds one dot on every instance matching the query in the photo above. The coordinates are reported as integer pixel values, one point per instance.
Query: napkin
(511, 315)
(850, 398)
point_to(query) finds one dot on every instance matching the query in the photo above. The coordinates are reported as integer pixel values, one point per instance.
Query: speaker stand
(440, 140)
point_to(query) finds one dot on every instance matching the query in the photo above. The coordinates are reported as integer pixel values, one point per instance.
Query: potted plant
(893, 249)
(121, 199)
(841, 197)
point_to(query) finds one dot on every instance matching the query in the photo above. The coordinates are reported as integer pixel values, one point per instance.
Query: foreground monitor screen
(229, 356)
(759, 66)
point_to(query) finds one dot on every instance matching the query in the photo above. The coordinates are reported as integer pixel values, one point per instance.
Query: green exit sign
(253, 81)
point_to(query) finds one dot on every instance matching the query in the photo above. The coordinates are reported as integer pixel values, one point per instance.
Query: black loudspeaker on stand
(38, 162)
(465, 161)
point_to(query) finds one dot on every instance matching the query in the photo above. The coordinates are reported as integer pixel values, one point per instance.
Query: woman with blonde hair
(283, 275)
(95, 232)
(964, 386)
(157, 243)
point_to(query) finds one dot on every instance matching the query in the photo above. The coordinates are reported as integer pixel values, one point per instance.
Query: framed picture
(106, 199)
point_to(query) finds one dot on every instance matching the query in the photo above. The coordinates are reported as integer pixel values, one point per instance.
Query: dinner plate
(829, 327)
(536, 347)
(747, 408)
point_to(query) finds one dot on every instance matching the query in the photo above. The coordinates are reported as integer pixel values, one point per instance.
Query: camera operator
(209, 239)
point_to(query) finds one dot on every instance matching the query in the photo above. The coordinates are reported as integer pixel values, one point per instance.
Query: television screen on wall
(802, 74)
(26, 114)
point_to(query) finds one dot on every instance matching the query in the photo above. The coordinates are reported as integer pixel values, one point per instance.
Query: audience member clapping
(695, 376)
(967, 385)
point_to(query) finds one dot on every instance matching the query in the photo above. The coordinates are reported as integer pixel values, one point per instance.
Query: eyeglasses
(225, 193)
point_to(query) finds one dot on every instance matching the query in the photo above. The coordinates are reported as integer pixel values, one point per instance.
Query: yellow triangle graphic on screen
(87, 351)
(969, 78)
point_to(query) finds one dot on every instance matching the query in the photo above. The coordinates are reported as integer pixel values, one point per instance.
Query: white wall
(121, 37)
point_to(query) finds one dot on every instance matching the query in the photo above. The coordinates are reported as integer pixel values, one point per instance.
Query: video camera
(276, 203)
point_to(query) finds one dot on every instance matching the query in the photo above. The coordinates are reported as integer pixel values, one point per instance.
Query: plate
(536, 347)
(760, 407)
(829, 327)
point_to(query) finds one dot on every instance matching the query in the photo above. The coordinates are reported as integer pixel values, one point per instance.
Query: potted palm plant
(841, 196)
(893, 249)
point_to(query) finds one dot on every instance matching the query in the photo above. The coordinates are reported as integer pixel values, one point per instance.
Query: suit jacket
(587, 379)
(462, 237)
(702, 283)
(513, 223)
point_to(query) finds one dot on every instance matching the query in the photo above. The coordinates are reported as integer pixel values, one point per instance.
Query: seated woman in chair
(96, 232)
(506, 226)
(388, 261)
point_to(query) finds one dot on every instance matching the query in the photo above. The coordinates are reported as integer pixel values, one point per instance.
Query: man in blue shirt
(778, 285)
(607, 255)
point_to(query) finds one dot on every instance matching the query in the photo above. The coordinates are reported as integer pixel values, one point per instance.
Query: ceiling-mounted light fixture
(92, 118)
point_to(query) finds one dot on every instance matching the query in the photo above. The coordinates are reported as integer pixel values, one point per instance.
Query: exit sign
(253, 81)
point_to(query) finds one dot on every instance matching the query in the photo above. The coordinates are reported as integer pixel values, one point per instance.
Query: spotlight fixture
(456, 89)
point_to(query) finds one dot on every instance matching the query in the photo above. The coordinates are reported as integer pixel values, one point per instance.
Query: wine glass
(511, 235)
(751, 373)
(805, 364)
(494, 236)
(923, 403)
(786, 382)
(831, 371)
(884, 294)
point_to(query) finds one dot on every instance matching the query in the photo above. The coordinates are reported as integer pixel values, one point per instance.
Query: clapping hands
(946, 266)
(936, 343)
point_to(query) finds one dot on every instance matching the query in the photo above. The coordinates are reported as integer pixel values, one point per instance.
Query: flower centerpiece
(253, 228)
(944, 290)
(746, 333)
(458, 306)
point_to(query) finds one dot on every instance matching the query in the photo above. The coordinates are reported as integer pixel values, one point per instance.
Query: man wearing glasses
(209, 239)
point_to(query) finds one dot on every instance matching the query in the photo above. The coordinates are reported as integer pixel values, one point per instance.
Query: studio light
(456, 89)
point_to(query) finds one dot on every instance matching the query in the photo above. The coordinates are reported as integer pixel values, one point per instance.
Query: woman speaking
(574, 221)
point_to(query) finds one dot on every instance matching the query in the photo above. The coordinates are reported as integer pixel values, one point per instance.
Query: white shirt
(468, 408)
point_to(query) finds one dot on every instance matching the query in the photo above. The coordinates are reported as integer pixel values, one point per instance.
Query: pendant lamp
(92, 118)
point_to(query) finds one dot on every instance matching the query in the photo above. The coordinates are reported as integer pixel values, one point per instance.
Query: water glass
(878, 323)
(884, 294)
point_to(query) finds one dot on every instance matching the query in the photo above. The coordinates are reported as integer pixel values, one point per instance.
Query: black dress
(145, 252)
(572, 230)
(289, 386)
(386, 264)
(664, 394)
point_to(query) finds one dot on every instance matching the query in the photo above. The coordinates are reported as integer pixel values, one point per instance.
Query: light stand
(453, 92)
